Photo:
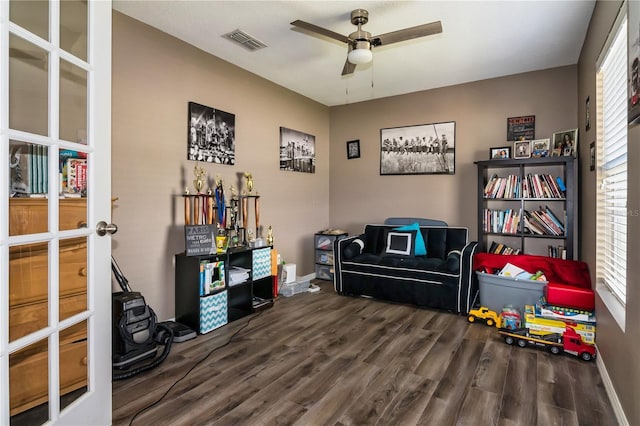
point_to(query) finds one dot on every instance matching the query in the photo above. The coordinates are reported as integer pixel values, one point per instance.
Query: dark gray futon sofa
(381, 263)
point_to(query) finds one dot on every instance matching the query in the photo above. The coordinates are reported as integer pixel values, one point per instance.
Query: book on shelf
(499, 248)
(20, 180)
(553, 218)
(503, 187)
(532, 226)
(501, 221)
(76, 175)
(543, 222)
(211, 276)
(558, 252)
(543, 186)
(64, 156)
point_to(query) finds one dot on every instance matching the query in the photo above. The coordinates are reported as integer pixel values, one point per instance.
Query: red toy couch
(569, 280)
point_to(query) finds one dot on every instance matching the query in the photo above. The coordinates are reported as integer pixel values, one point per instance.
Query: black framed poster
(521, 128)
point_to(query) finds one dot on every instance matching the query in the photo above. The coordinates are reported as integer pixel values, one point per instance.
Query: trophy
(198, 182)
(249, 182)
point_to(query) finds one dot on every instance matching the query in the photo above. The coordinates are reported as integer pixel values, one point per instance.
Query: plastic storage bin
(497, 291)
(324, 272)
(324, 257)
(300, 285)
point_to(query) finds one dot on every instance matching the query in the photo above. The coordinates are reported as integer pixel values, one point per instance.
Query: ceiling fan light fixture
(361, 54)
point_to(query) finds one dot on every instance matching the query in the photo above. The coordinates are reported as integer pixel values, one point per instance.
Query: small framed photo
(566, 141)
(353, 149)
(540, 147)
(522, 149)
(500, 152)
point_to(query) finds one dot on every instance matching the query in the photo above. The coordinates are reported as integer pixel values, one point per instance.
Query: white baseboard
(611, 392)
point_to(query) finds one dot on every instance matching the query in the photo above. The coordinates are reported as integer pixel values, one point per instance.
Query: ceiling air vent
(244, 40)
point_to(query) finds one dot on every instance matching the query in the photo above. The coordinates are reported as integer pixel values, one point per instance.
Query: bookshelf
(528, 206)
(226, 299)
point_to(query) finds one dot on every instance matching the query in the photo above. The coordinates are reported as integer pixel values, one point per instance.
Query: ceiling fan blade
(319, 30)
(349, 68)
(408, 34)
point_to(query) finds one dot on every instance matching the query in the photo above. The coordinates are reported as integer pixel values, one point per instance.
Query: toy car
(485, 314)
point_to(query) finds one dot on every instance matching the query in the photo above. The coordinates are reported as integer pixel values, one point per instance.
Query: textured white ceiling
(480, 40)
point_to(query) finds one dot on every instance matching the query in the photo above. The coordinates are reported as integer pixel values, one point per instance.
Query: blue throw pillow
(421, 248)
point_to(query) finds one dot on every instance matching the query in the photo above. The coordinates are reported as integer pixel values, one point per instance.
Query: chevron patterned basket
(213, 312)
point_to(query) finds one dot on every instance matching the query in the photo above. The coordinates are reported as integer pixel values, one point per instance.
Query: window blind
(611, 265)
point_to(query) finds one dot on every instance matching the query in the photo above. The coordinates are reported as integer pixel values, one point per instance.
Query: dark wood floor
(320, 358)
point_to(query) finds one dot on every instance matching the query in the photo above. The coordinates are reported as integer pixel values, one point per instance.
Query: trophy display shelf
(200, 209)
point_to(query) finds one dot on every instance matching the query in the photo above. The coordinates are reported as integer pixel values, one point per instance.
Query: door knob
(102, 228)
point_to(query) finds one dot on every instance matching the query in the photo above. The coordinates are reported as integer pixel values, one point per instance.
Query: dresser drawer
(29, 318)
(28, 372)
(31, 216)
(28, 271)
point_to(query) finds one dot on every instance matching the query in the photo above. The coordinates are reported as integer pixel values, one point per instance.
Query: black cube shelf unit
(241, 299)
(530, 186)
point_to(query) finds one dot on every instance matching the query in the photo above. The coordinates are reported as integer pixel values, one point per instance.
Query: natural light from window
(611, 264)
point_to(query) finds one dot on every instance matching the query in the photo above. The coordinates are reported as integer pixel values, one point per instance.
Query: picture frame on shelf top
(522, 149)
(566, 141)
(500, 153)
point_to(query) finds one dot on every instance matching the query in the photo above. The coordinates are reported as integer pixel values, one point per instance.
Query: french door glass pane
(28, 289)
(73, 205)
(73, 363)
(29, 384)
(28, 86)
(73, 27)
(73, 103)
(73, 276)
(32, 15)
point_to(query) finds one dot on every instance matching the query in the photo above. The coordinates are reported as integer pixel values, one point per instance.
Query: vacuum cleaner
(135, 331)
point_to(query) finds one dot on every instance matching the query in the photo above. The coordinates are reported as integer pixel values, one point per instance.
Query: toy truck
(571, 342)
(484, 314)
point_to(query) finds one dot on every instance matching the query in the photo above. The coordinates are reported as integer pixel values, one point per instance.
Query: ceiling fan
(361, 42)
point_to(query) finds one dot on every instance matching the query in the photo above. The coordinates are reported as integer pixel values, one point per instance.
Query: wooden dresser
(28, 301)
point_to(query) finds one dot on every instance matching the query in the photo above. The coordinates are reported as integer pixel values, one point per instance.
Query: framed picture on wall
(211, 135)
(418, 150)
(297, 151)
(521, 128)
(353, 149)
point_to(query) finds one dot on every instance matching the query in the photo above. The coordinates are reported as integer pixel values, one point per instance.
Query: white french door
(55, 161)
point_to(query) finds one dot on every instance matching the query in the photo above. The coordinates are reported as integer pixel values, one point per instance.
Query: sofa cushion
(437, 242)
(400, 242)
(418, 263)
(421, 248)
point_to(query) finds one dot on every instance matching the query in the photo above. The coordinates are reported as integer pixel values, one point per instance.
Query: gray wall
(359, 195)
(154, 78)
(619, 350)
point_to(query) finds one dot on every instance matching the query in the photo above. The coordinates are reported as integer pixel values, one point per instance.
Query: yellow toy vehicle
(485, 314)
